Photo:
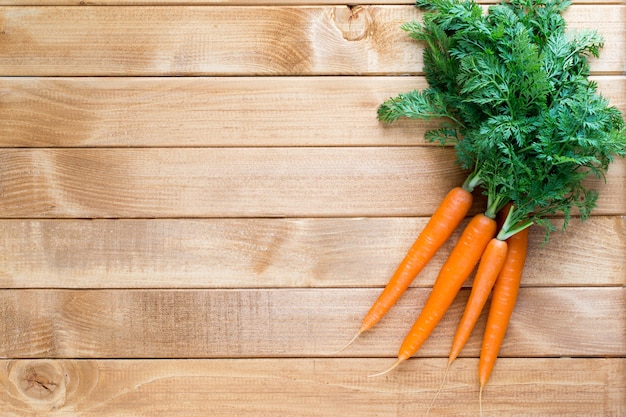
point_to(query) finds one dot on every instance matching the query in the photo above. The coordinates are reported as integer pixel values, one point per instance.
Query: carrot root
(457, 268)
(344, 347)
(491, 264)
(480, 400)
(502, 304)
(394, 366)
(443, 383)
(451, 211)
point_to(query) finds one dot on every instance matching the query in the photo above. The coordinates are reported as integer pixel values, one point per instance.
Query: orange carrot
(502, 303)
(501, 217)
(490, 265)
(459, 265)
(452, 209)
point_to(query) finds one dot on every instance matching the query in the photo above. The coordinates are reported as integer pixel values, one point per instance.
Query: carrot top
(513, 92)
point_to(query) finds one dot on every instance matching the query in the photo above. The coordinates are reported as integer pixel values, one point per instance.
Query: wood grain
(241, 182)
(223, 40)
(224, 111)
(273, 253)
(223, 182)
(307, 388)
(197, 206)
(285, 323)
(230, 2)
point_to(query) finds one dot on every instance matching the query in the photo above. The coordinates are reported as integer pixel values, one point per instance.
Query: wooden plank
(230, 2)
(273, 253)
(549, 321)
(241, 182)
(308, 387)
(217, 182)
(231, 111)
(223, 40)
(237, 111)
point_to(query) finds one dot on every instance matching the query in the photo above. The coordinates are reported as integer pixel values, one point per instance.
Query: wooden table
(198, 205)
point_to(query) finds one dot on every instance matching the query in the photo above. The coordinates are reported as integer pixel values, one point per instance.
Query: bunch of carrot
(500, 264)
(513, 92)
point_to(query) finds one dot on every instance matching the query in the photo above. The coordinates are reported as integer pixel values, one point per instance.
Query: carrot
(452, 209)
(490, 265)
(482, 267)
(502, 303)
(457, 268)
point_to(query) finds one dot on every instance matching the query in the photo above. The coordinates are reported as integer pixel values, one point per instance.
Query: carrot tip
(480, 400)
(347, 344)
(398, 362)
(451, 359)
(443, 383)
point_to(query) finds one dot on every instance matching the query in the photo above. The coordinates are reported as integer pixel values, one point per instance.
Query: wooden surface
(197, 206)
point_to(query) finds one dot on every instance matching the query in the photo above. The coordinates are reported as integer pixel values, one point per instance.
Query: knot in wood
(41, 384)
(354, 22)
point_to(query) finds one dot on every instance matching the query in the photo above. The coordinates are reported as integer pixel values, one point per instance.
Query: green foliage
(513, 87)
